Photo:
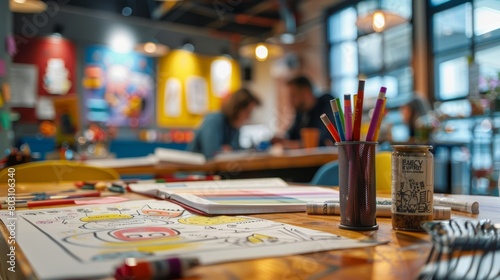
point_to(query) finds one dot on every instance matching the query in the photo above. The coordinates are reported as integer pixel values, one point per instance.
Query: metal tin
(412, 186)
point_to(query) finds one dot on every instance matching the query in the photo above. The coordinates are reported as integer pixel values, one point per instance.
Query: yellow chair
(383, 170)
(58, 171)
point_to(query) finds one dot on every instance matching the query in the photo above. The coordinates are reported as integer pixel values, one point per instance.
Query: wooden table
(301, 163)
(401, 258)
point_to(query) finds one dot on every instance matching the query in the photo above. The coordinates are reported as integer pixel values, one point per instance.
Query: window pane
(489, 68)
(373, 84)
(341, 26)
(453, 79)
(399, 82)
(365, 7)
(397, 46)
(401, 7)
(438, 2)
(344, 59)
(452, 28)
(348, 85)
(487, 18)
(370, 53)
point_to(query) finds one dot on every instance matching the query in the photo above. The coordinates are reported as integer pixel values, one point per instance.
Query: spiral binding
(463, 249)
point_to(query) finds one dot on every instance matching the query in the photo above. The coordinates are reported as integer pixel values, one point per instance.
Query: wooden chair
(58, 171)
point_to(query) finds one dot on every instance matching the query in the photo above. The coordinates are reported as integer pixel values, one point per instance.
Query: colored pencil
(338, 121)
(379, 123)
(326, 121)
(376, 114)
(358, 111)
(339, 106)
(348, 117)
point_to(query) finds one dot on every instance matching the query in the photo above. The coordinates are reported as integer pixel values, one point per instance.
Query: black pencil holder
(357, 185)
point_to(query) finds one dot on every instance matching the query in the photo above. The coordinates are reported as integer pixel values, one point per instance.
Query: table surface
(243, 162)
(401, 258)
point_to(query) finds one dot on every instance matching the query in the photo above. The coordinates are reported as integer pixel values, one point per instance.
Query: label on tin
(412, 185)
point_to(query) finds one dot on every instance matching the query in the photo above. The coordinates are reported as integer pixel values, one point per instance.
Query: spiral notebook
(463, 249)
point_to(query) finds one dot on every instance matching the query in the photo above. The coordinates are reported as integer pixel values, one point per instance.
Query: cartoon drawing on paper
(102, 236)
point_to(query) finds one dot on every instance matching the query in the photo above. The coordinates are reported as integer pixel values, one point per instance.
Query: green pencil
(341, 112)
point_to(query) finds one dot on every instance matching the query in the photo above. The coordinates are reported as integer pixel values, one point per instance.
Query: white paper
(179, 156)
(23, 85)
(45, 109)
(197, 95)
(90, 241)
(220, 76)
(56, 79)
(154, 188)
(173, 90)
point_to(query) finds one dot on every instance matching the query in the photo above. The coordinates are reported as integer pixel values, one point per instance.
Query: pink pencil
(376, 114)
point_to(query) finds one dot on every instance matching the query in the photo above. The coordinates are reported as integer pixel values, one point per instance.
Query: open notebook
(244, 196)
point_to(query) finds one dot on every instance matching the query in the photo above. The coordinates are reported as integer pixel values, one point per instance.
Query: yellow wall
(181, 64)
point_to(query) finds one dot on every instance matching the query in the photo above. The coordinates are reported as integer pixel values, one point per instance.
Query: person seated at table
(220, 131)
(308, 109)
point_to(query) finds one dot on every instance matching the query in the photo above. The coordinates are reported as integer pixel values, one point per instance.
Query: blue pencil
(338, 120)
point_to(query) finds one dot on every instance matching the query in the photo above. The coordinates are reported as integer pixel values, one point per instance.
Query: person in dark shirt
(308, 108)
(220, 131)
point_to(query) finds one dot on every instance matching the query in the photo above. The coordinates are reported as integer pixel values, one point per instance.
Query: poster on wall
(196, 95)
(191, 85)
(173, 96)
(118, 87)
(55, 59)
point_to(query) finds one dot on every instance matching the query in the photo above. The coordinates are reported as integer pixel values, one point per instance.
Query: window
(464, 31)
(382, 58)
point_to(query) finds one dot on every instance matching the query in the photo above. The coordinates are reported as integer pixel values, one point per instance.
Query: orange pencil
(379, 122)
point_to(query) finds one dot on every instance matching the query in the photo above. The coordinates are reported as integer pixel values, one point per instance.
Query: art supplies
(333, 208)
(377, 114)
(338, 120)
(326, 121)
(246, 196)
(90, 242)
(358, 111)
(348, 117)
(348, 129)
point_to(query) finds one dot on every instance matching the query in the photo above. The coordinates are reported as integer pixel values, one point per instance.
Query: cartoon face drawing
(143, 233)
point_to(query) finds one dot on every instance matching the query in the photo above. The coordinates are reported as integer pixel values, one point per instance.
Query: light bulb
(261, 52)
(378, 21)
(150, 47)
(20, 1)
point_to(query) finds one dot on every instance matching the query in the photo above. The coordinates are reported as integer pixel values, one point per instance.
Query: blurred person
(308, 109)
(413, 110)
(220, 131)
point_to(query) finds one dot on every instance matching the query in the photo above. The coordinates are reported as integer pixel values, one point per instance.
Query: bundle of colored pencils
(347, 125)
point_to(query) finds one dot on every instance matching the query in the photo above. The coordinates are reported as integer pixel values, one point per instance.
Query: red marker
(172, 268)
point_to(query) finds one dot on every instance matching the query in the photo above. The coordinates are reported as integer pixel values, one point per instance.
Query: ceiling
(251, 18)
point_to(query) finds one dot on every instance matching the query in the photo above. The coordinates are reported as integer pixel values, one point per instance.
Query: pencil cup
(357, 185)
